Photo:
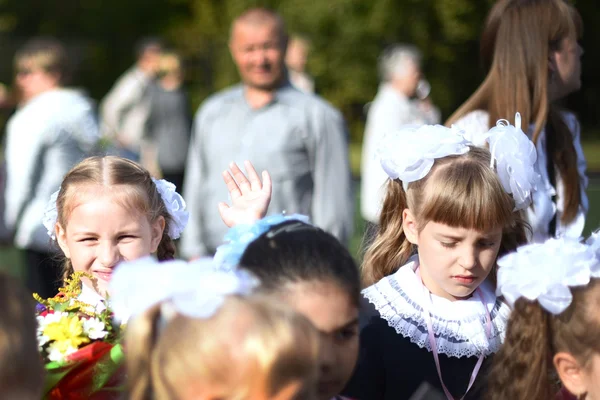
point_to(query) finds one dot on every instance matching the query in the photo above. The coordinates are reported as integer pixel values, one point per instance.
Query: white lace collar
(459, 326)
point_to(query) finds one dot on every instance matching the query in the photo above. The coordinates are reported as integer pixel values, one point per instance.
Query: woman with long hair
(530, 51)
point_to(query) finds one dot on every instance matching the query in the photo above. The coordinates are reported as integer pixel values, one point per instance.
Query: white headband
(410, 153)
(545, 272)
(174, 204)
(195, 289)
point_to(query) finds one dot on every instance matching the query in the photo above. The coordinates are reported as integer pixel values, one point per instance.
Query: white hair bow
(195, 289)
(409, 154)
(515, 156)
(545, 272)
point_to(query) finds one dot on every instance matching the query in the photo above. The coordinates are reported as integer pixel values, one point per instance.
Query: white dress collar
(459, 326)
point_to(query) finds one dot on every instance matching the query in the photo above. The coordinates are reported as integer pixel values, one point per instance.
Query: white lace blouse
(544, 208)
(459, 326)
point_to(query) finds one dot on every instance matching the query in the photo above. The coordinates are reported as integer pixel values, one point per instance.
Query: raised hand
(250, 197)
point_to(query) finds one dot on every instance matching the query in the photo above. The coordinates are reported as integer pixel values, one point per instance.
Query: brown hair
(120, 176)
(21, 369)
(522, 369)
(461, 191)
(515, 46)
(251, 346)
(48, 54)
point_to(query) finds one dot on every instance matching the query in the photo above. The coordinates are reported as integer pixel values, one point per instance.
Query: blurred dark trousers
(44, 273)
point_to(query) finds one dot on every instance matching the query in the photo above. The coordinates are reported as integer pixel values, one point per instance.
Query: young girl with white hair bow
(554, 328)
(450, 210)
(198, 333)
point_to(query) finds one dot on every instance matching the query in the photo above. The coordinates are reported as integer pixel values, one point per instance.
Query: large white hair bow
(409, 154)
(515, 156)
(545, 272)
(195, 289)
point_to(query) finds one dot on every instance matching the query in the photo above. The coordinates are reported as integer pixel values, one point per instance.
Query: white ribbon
(515, 155)
(545, 272)
(195, 289)
(409, 154)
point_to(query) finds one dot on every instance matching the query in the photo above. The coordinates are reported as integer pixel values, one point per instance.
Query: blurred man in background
(53, 129)
(125, 109)
(394, 105)
(299, 138)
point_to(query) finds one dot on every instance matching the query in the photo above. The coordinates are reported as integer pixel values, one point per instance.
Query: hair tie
(195, 289)
(237, 239)
(563, 263)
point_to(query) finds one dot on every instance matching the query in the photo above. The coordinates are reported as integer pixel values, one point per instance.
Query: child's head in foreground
(311, 271)
(554, 329)
(210, 337)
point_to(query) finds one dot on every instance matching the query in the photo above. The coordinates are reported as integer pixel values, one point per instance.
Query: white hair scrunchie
(544, 272)
(174, 204)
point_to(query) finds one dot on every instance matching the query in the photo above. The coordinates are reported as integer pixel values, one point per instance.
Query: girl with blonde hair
(197, 333)
(530, 51)
(109, 210)
(450, 210)
(553, 331)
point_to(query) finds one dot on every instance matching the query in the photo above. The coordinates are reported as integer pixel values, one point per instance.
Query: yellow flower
(67, 332)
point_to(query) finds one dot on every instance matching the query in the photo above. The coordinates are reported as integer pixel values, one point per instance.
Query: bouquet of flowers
(80, 346)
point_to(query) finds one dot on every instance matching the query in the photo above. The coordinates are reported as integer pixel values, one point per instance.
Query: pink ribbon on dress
(433, 342)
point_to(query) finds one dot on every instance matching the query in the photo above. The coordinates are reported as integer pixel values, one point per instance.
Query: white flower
(175, 207)
(42, 322)
(545, 272)
(515, 157)
(94, 328)
(409, 153)
(51, 215)
(54, 353)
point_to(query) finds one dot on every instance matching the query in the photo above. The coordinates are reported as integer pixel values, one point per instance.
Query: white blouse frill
(459, 326)
(544, 208)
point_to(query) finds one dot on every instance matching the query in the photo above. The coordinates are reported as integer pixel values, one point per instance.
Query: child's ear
(158, 227)
(409, 226)
(570, 373)
(61, 238)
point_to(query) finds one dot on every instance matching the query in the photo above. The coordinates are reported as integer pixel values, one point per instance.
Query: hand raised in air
(250, 197)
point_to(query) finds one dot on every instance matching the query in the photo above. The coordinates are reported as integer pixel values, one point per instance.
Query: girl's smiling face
(453, 261)
(102, 231)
